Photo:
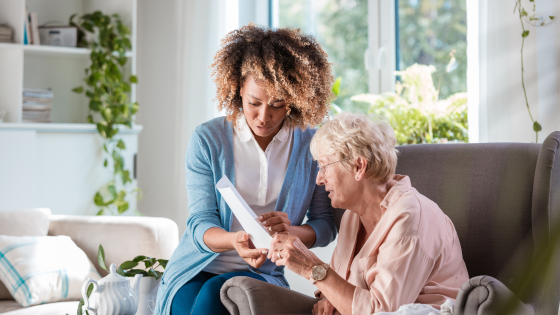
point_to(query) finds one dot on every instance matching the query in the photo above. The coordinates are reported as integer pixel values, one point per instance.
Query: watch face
(319, 272)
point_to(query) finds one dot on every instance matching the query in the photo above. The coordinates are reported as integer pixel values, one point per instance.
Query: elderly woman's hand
(288, 250)
(324, 307)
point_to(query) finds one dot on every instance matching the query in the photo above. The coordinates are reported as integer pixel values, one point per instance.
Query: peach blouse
(412, 256)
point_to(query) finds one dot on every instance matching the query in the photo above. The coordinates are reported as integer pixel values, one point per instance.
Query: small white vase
(148, 293)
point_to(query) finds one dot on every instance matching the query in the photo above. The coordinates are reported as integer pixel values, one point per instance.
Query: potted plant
(149, 284)
(108, 89)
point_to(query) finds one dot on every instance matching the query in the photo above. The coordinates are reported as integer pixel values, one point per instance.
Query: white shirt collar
(245, 134)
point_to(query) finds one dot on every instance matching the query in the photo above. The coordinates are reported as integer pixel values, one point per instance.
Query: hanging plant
(532, 19)
(109, 106)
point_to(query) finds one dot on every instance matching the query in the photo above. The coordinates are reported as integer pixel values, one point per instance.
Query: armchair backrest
(485, 189)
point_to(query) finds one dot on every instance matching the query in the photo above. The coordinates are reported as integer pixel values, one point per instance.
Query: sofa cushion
(27, 222)
(43, 269)
(32, 222)
(13, 308)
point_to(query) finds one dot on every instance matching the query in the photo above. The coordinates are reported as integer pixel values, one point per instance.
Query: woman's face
(339, 182)
(263, 114)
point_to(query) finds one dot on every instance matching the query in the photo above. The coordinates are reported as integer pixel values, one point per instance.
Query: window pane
(341, 27)
(431, 33)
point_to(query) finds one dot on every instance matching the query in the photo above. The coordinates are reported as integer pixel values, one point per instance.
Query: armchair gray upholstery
(503, 198)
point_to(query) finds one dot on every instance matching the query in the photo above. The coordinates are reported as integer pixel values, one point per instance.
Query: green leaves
(82, 303)
(127, 268)
(129, 264)
(121, 145)
(537, 127)
(108, 89)
(163, 262)
(525, 34)
(101, 258)
(336, 86)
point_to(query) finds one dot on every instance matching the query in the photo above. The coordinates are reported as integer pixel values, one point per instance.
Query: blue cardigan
(210, 157)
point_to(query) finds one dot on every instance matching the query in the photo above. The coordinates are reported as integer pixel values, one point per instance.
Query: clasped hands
(285, 250)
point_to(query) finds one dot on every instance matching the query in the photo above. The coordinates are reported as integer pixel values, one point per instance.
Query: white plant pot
(148, 293)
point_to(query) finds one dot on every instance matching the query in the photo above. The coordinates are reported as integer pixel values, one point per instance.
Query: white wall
(502, 113)
(60, 170)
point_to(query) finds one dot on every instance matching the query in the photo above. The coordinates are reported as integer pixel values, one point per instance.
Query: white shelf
(63, 128)
(51, 50)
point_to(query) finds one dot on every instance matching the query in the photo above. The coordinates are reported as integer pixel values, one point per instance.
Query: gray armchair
(504, 199)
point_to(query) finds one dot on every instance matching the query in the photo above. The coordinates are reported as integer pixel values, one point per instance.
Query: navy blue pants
(201, 295)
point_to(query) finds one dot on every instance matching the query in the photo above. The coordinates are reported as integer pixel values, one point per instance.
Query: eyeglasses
(324, 167)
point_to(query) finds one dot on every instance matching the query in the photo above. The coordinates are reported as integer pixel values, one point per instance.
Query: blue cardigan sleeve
(320, 217)
(203, 206)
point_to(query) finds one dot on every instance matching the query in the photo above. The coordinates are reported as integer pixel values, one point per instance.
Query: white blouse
(259, 176)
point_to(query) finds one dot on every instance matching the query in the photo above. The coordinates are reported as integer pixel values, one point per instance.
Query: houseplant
(415, 111)
(533, 20)
(109, 107)
(149, 283)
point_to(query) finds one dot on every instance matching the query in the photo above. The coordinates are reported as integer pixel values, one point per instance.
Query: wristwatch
(318, 273)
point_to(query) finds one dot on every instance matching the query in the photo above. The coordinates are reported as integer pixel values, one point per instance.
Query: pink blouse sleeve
(395, 277)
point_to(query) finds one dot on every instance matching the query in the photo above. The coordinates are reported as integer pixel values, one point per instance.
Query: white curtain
(177, 41)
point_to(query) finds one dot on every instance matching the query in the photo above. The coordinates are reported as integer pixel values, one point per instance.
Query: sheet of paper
(244, 214)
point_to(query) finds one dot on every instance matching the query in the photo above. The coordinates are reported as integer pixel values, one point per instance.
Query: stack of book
(37, 105)
(6, 34)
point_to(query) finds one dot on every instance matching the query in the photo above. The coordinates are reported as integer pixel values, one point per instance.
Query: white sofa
(123, 238)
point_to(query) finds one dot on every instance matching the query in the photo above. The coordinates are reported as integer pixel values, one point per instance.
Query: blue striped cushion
(42, 269)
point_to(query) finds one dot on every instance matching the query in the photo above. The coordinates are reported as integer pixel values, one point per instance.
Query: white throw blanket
(423, 309)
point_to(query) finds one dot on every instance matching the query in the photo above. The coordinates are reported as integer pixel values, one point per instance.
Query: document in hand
(244, 214)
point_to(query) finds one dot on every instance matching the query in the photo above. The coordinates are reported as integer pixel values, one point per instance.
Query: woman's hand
(275, 222)
(246, 250)
(288, 250)
(324, 307)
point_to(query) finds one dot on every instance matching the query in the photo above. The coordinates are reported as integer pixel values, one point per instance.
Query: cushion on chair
(32, 222)
(43, 269)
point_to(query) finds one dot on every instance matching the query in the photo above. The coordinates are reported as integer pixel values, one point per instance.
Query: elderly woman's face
(263, 114)
(338, 181)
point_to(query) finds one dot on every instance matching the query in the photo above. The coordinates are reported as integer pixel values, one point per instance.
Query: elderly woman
(273, 85)
(395, 246)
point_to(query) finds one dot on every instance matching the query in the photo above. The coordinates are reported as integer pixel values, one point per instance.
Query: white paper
(244, 214)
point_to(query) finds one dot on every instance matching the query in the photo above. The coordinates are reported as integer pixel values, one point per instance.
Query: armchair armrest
(123, 238)
(248, 296)
(484, 295)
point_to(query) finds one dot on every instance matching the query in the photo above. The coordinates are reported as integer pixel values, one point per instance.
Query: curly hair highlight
(290, 65)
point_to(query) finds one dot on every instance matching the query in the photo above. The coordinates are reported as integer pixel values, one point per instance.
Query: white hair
(349, 136)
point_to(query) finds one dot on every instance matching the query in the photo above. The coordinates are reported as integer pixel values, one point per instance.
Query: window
(434, 32)
(369, 40)
(341, 27)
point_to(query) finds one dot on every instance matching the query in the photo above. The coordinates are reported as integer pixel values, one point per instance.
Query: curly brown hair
(290, 65)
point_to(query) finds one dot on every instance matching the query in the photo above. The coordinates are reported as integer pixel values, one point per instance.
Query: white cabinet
(57, 165)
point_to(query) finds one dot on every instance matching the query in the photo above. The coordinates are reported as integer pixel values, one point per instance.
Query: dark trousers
(201, 295)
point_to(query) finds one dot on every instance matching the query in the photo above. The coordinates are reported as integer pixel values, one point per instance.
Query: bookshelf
(57, 165)
(55, 67)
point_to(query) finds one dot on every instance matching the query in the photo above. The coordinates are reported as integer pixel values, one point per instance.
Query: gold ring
(278, 255)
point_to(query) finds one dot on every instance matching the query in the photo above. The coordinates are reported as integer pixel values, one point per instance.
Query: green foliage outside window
(415, 111)
(429, 33)
(341, 27)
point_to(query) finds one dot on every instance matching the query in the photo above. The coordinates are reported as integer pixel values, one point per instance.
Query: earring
(289, 111)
